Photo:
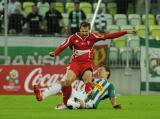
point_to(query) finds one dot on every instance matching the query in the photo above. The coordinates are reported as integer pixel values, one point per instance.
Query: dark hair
(85, 24)
(107, 69)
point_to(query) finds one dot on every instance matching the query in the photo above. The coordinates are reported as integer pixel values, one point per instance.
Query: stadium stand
(126, 53)
(155, 31)
(151, 19)
(126, 27)
(134, 19)
(27, 7)
(43, 8)
(103, 6)
(109, 19)
(120, 19)
(69, 6)
(115, 22)
(140, 30)
(86, 7)
(112, 8)
(59, 6)
(113, 55)
(119, 42)
(112, 28)
(158, 19)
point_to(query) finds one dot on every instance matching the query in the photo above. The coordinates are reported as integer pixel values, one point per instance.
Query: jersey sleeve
(104, 36)
(63, 45)
(111, 91)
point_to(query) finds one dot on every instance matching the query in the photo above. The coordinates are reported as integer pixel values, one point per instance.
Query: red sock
(66, 93)
(88, 87)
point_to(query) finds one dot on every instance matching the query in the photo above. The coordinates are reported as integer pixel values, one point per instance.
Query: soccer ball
(73, 103)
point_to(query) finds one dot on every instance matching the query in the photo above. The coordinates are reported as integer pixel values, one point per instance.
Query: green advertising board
(154, 65)
(34, 56)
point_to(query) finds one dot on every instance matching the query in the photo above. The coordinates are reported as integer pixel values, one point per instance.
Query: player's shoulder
(96, 34)
(93, 34)
(71, 37)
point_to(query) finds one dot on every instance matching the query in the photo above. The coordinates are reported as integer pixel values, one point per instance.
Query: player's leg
(43, 92)
(87, 77)
(71, 74)
(87, 72)
(64, 85)
(60, 107)
(77, 99)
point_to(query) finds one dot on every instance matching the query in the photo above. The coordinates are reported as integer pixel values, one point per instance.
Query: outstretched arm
(114, 35)
(111, 94)
(63, 45)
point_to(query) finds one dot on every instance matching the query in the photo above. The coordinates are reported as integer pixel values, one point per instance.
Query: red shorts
(80, 67)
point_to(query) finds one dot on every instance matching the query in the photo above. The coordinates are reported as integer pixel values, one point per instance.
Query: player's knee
(70, 77)
(87, 77)
(68, 82)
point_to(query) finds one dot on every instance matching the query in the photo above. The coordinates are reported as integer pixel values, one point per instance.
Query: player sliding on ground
(102, 89)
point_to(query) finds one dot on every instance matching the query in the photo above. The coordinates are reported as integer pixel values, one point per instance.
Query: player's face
(103, 73)
(84, 31)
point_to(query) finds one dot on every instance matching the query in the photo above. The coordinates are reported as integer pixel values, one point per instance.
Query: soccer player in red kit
(81, 64)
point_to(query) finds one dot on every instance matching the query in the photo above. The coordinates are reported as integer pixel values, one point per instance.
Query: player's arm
(105, 36)
(63, 45)
(111, 93)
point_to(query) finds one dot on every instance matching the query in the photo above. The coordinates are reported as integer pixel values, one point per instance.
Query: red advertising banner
(20, 79)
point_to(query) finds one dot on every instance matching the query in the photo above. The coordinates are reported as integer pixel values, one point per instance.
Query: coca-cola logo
(37, 76)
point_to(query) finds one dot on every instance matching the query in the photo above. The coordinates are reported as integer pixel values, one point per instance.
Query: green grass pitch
(26, 107)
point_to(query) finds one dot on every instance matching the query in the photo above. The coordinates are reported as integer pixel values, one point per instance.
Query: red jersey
(83, 47)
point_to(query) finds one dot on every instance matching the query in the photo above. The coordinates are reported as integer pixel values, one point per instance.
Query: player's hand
(117, 106)
(51, 54)
(131, 31)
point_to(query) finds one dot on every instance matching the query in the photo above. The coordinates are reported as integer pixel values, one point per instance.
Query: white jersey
(78, 90)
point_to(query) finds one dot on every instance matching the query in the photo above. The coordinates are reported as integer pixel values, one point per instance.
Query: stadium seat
(155, 31)
(86, 7)
(113, 55)
(27, 6)
(65, 19)
(120, 19)
(137, 55)
(112, 8)
(157, 38)
(112, 28)
(124, 52)
(69, 6)
(119, 42)
(59, 6)
(126, 27)
(18, 4)
(134, 19)
(151, 19)
(134, 42)
(102, 5)
(89, 17)
(141, 30)
(158, 19)
(43, 8)
(109, 19)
